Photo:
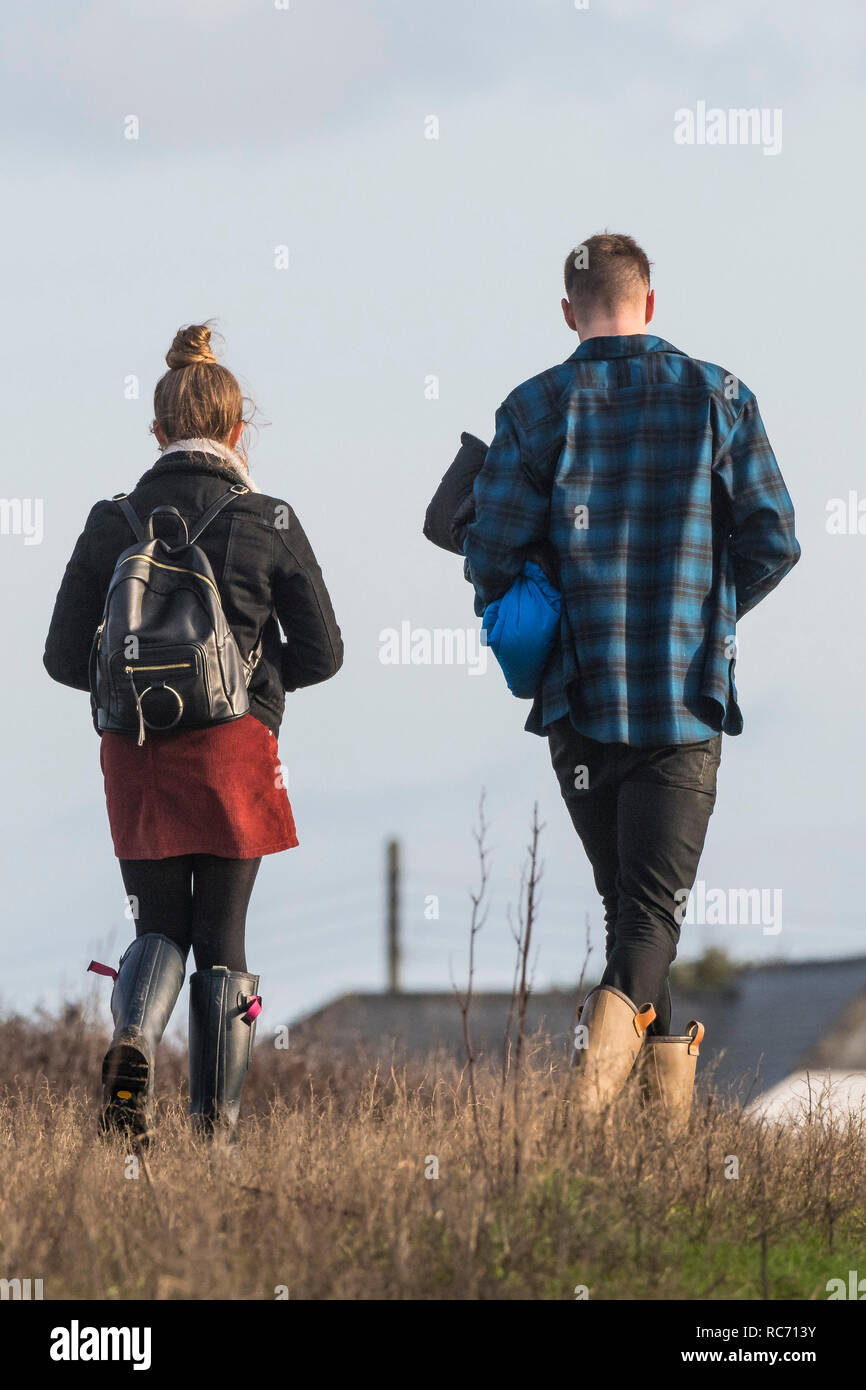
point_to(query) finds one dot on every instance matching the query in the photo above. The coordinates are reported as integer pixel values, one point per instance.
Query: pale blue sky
(410, 257)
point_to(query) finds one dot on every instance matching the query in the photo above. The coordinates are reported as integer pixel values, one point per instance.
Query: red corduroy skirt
(217, 791)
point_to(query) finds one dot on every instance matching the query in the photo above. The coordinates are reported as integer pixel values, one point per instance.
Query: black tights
(198, 900)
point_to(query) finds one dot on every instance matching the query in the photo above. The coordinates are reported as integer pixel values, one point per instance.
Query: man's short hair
(605, 271)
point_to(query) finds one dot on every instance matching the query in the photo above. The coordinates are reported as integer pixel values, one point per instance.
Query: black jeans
(198, 900)
(642, 815)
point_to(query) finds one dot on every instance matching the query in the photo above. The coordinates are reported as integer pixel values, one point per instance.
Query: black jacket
(452, 507)
(262, 562)
(452, 510)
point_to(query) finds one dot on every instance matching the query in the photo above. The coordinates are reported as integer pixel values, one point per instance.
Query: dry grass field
(331, 1191)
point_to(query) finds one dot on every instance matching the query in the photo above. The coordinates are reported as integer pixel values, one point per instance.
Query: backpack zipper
(162, 666)
(179, 569)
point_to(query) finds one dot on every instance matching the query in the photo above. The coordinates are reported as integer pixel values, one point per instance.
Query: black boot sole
(125, 1077)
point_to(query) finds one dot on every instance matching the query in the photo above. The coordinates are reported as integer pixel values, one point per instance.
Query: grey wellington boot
(667, 1068)
(608, 1040)
(145, 992)
(223, 1007)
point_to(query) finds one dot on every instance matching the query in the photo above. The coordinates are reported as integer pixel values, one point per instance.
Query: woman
(192, 811)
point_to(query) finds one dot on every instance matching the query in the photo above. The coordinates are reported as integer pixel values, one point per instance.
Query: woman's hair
(197, 398)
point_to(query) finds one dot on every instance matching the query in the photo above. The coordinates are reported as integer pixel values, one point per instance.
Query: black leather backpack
(163, 656)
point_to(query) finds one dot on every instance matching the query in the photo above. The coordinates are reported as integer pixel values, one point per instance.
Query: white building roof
(827, 1096)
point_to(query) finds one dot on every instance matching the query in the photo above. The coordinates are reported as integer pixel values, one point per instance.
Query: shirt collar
(626, 345)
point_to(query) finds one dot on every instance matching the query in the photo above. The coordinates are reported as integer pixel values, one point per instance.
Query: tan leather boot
(668, 1072)
(606, 1051)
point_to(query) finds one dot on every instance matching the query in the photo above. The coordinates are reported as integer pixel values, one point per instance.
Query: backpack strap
(236, 490)
(123, 502)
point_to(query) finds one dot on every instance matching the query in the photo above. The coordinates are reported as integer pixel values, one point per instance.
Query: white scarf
(213, 446)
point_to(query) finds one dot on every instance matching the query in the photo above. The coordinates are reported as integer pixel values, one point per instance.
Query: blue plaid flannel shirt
(651, 477)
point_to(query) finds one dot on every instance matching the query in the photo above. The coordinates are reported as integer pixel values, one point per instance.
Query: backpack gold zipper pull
(129, 671)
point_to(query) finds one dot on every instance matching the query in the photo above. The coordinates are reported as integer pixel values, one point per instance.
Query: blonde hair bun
(198, 398)
(191, 345)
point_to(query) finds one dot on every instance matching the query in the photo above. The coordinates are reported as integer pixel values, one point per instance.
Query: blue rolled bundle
(521, 629)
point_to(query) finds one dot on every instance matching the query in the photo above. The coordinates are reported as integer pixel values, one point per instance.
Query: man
(650, 476)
